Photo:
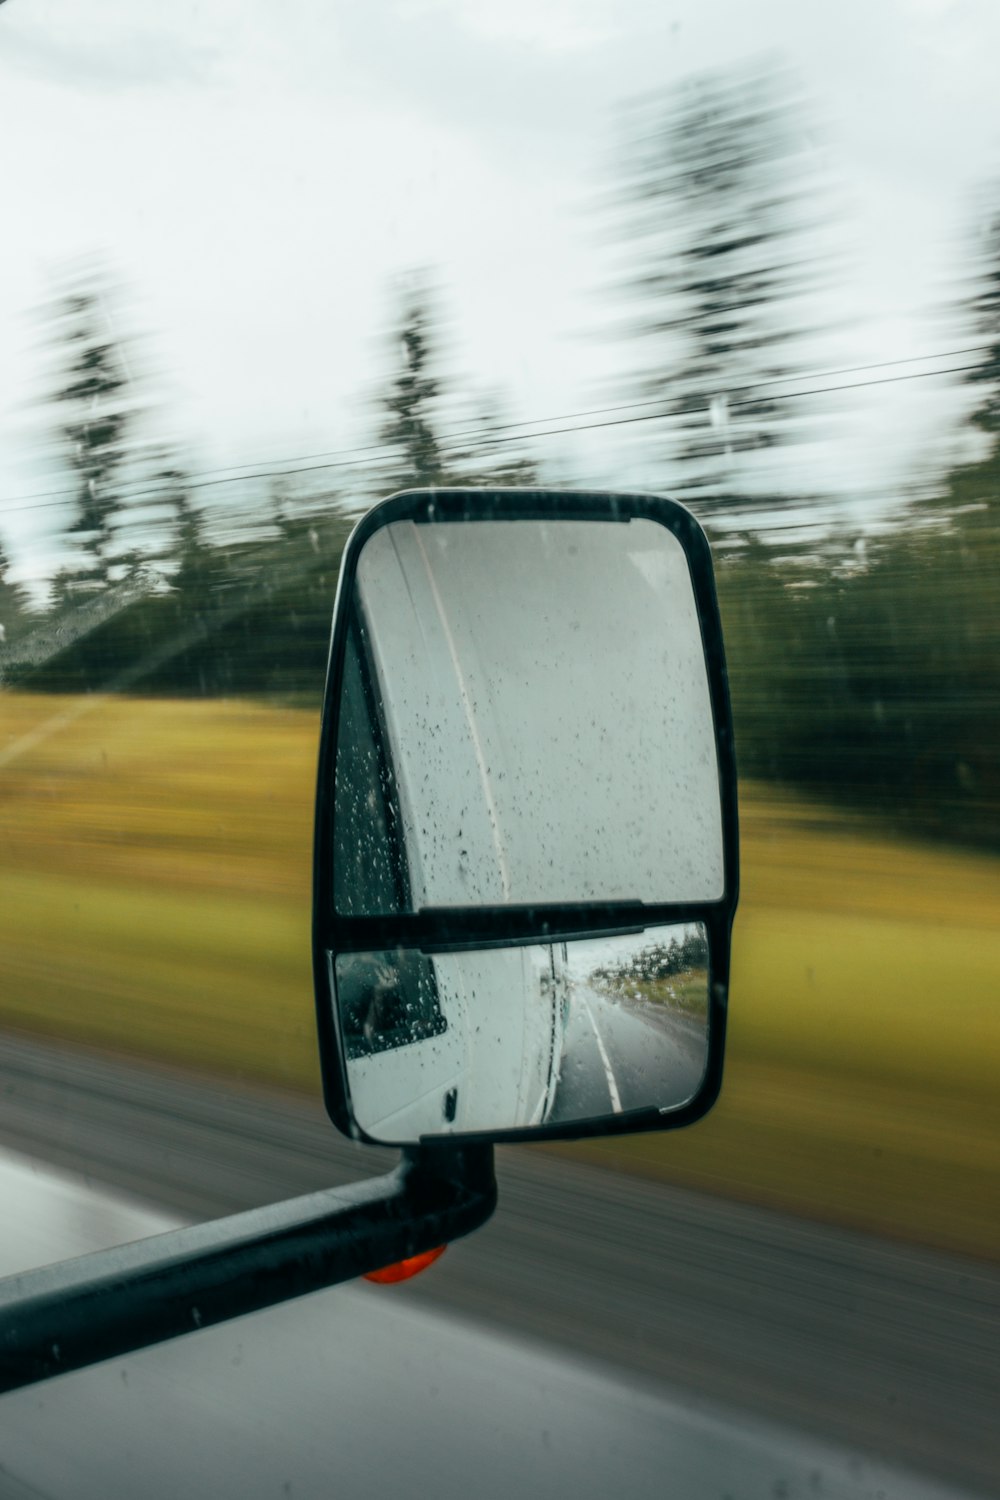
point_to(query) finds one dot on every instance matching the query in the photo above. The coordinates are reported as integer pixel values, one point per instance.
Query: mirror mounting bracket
(100, 1306)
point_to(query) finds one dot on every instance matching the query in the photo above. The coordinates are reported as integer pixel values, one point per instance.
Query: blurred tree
(480, 450)
(412, 401)
(193, 557)
(95, 409)
(713, 229)
(13, 602)
(984, 317)
(874, 682)
(282, 504)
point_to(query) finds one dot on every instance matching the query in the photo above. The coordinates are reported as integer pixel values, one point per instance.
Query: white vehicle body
(494, 1056)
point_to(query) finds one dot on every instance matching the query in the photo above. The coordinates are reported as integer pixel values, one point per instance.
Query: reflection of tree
(642, 971)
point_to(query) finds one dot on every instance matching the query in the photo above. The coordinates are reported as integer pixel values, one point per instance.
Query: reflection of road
(614, 1061)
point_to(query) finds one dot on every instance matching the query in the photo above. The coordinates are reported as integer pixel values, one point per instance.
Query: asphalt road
(614, 1060)
(881, 1348)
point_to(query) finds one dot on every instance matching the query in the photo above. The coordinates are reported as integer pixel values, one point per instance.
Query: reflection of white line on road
(616, 1103)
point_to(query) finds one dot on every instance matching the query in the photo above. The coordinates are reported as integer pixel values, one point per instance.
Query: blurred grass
(155, 887)
(864, 1036)
(155, 878)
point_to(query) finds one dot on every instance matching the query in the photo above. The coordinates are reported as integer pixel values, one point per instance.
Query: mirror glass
(539, 1034)
(525, 718)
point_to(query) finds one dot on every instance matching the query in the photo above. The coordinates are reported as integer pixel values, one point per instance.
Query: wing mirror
(526, 838)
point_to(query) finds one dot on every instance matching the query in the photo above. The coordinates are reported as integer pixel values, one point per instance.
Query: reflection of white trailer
(485, 1051)
(494, 1059)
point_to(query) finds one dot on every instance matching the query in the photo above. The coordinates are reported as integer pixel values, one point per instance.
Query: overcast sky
(257, 173)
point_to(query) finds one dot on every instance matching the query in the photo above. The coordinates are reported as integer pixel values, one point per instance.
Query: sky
(259, 176)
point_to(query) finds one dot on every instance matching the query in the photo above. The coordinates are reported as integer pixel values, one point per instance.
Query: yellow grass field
(154, 900)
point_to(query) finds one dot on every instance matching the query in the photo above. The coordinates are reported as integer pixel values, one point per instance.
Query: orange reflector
(404, 1269)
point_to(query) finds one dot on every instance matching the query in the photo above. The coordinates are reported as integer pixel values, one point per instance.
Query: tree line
(655, 961)
(862, 661)
(159, 593)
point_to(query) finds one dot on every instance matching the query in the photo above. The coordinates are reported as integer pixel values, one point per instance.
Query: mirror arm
(65, 1317)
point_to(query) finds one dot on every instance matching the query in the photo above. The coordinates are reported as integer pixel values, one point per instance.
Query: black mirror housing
(526, 844)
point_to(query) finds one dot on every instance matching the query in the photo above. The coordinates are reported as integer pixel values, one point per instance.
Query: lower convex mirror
(533, 1035)
(526, 855)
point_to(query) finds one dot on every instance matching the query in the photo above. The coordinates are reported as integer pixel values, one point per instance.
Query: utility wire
(488, 436)
(882, 364)
(686, 411)
(600, 411)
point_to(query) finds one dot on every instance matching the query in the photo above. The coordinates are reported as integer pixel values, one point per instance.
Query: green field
(154, 891)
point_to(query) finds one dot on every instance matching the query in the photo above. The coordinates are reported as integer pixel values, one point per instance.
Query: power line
(701, 407)
(600, 411)
(882, 364)
(487, 436)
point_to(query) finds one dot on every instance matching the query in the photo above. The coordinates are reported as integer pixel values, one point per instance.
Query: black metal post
(64, 1317)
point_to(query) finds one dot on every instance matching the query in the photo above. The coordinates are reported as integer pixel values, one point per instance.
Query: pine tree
(12, 602)
(713, 233)
(412, 399)
(482, 452)
(94, 411)
(191, 554)
(984, 309)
